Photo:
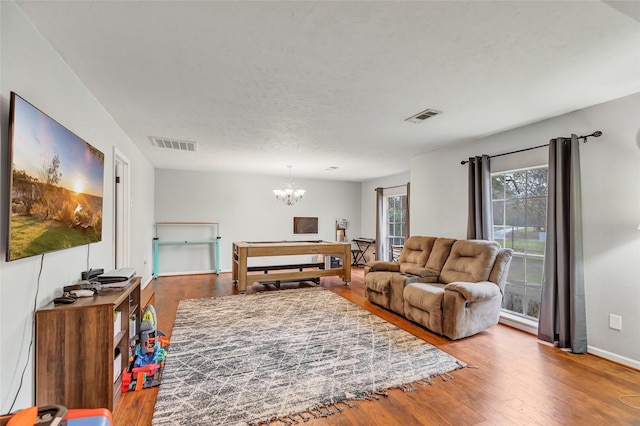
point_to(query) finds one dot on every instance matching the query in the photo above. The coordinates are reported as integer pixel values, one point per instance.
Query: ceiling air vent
(421, 116)
(174, 144)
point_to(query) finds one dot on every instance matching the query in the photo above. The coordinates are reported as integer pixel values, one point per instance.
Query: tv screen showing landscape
(56, 185)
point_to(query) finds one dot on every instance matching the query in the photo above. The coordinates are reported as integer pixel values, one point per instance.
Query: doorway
(122, 209)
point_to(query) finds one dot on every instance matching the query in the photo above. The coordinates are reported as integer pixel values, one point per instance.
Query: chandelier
(289, 193)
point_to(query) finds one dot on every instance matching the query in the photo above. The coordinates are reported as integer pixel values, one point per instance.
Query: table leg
(346, 265)
(242, 270)
(155, 257)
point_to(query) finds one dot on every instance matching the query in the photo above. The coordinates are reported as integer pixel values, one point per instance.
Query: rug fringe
(325, 410)
(302, 416)
(292, 420)
(347, 403)
(446, 377)
(408, 387)
(426, 382)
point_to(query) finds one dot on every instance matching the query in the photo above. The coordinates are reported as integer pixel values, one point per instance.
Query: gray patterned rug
(289, 355)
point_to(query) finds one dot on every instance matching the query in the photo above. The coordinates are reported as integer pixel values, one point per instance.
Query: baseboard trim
(613, 357)
(532, 328)
(146, 283)
(172, 274)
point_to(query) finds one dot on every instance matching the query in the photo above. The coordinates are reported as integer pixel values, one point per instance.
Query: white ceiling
(263, 85)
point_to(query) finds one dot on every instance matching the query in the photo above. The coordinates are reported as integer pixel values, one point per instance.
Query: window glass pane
(536, 212)
(537, 182)
(513, 298)
(536, 242)
(497, 187)
(532, 298)
(515, 184)
(498, 213)
(516, 270)
(535, 270)
(508, 232)
(515, 212)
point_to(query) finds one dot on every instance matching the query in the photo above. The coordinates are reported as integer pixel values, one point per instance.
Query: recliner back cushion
(440, 253)
(470, 261)
(416, 251)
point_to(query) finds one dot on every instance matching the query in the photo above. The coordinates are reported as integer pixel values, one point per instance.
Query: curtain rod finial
(595, 134)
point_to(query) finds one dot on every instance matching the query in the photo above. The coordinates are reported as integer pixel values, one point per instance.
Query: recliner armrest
(474, 291)
(379, 265)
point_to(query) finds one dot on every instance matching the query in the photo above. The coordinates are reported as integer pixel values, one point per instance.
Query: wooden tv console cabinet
(76, 346)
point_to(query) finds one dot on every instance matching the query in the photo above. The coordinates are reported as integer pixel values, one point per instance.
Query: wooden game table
(302, 271)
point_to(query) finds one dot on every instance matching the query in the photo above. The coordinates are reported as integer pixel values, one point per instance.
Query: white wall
(246, 209)
(32, 68)
(610, 168)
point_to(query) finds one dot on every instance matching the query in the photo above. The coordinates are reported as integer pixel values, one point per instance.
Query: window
(396, 218)
(519, 218)
(396, 222)
(392, 216)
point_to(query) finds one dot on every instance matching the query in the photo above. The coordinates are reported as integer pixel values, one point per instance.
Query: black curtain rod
(391, 187)
(595, 134)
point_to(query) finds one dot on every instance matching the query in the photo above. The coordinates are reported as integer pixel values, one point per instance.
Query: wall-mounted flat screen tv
(56, 185)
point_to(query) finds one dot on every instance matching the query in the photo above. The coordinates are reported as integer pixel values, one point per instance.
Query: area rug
(287, 355)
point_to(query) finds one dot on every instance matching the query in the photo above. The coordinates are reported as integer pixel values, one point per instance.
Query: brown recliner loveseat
(452, 287)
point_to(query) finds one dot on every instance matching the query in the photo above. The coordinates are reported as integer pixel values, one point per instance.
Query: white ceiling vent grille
(174, 144)
(421, 116)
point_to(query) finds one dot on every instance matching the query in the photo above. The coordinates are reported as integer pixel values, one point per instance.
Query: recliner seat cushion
(423, 304)
(427, 297)
(377, 287)
(378, 281)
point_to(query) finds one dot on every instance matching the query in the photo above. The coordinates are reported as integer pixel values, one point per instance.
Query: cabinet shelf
(118, 338)
(75, 347)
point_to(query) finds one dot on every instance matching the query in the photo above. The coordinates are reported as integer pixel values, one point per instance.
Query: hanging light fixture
(289, 193)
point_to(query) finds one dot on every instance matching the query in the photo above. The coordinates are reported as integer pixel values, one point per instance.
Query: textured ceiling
(262, 85)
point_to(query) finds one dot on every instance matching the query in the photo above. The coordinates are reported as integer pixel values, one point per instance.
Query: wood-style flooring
(519, 381)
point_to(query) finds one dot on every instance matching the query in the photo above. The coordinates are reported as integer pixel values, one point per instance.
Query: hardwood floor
(518, 380)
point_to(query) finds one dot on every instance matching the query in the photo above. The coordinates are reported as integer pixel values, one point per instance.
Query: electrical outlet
(615, 322)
